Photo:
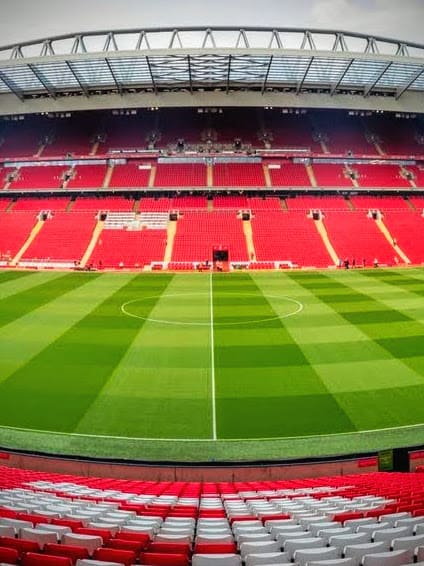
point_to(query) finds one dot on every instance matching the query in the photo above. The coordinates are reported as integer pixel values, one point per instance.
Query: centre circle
(181, 304)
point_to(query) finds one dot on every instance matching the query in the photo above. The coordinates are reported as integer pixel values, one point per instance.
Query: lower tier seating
(374, 519)
(355, 236)
(288, 236)
(199, 232)
(14, 231)
(64, 237)
(128, 249)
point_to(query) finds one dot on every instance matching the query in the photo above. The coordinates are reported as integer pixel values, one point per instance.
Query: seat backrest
(9, 555)
(72, 552)
(392, 558)
(166, 559)
(126, 557)
(36, 559)
(216, 560)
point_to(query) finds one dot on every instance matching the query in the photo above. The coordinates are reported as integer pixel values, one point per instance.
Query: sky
(22, 20)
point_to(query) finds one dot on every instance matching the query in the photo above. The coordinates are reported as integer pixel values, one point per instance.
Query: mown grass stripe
(13, 275)
(73, 369)
(33, 279)
(20, 304)
(27, 336)
(402, 378)
(271, 389)
(162, 383)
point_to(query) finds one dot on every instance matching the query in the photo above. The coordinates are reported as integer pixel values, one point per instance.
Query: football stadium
(211, 298)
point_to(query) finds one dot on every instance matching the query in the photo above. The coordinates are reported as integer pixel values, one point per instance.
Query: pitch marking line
(253, 439)
(124, 310)
(213, 395)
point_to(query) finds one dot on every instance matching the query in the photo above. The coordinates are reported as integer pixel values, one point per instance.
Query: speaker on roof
(245, 215)
(173, 216)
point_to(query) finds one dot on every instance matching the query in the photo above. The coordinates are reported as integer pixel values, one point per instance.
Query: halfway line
(212, 360)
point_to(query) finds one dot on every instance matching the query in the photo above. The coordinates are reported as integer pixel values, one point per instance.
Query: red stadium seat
(9, 555)
(104, 533)
(211, 548)
(126, 557)
(126, 544)
(35, 559)
(172, 547)
(72, 552)
(166, 559)
(20, 545)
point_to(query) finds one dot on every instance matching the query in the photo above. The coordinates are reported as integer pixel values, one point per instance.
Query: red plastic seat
(126, 557)
(104, 533)
(139, 537)
(20, 545)
(67, 550)
(165, 559)
(71, 523)
(9, 555)
(36, 559)
(211, 548)
(123, 544)
(34, 518)
(167, 547)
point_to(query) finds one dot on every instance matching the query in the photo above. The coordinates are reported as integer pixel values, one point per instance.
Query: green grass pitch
(203, 367)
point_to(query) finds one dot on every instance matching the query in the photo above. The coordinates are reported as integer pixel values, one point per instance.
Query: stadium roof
(222, 59)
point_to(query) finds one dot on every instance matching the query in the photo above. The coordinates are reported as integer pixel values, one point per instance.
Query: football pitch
(211, 367)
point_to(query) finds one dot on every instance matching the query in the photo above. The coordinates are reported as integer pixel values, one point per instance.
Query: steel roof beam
(155, 88)
(40, 78)
(117, 84)
(411, 81)
(227, 88)
(76, 77)
(266, 74)
(11, 87)
(342, 76)
(300, 85)
(369, 88)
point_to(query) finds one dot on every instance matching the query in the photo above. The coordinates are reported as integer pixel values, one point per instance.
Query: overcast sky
(22, 20)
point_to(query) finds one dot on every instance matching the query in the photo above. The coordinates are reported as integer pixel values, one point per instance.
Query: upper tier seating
(230, 201)
(188, 202)
(288, 236)
(238, 175)
(20, 138)
(264, 203)
(331, 175)
(380, 176)
(39, 177)
(291, 131)
(103, 203)
(178, 523)
(354, 236)
(418, 173)
(88, 176)
(290, 175)
(319, 203)
(64, 237)
(397, 136)
(344, 134)
(382, 203)
(148, 204)
(198, 232)
(38, 204)
(180, 175)
(129, 175)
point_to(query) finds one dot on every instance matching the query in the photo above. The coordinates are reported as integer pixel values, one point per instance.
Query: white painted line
(232, 440)
(212, 359)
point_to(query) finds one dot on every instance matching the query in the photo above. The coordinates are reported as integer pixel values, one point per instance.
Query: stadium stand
(14, 231)
(238, 175)
(87, 176)
(39, 177)
(198, 232)
(130, 175)
(178, 523)
(180, 175)
(64, 237)
(287, 174)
